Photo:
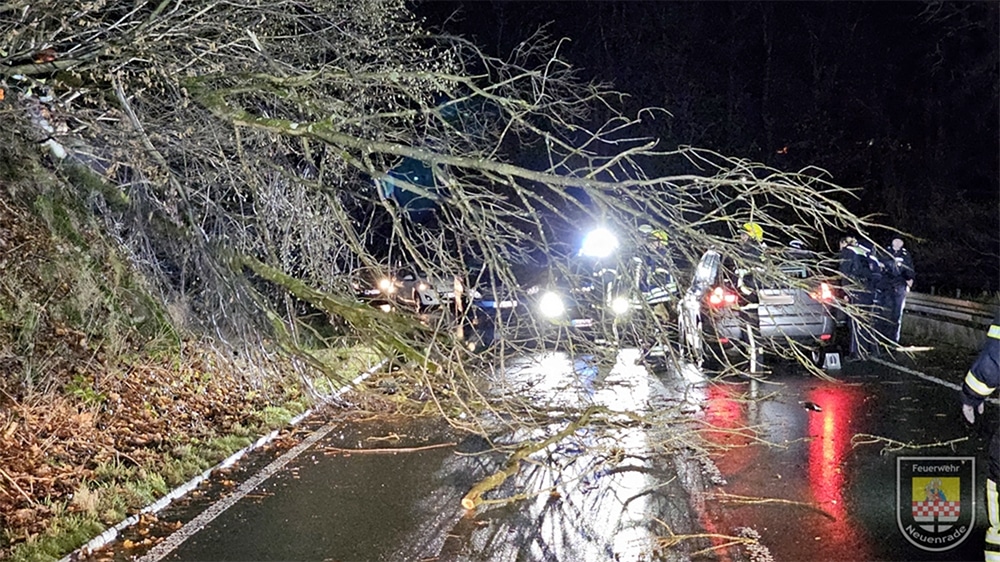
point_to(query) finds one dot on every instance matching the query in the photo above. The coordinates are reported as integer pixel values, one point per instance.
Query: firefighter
(981, 381)
(752, 237)
(753, 248)
(657, 286)
(654, 278)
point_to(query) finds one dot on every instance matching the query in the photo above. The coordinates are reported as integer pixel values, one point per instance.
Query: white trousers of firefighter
(992, 546)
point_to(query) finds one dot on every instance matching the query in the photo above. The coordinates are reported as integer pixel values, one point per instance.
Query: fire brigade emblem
(935, 500)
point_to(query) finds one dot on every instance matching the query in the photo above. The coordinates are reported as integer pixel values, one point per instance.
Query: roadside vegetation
(191, 189)
(105, 404)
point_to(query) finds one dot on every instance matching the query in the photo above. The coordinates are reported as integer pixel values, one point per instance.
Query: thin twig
(892, 445)
(390, 450)
(17, 487)
(750, 500)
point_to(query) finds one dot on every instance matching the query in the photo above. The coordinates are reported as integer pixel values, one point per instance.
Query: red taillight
(720, 297)
(826, 337)
(823, 294)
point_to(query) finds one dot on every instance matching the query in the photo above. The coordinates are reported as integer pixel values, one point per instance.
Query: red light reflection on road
(726, 420)
(723, 411)
(830, 431)
(821, 481)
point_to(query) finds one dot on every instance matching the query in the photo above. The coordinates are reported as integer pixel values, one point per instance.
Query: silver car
(786, 306)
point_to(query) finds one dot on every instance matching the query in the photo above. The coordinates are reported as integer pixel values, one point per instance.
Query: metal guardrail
(954, 311)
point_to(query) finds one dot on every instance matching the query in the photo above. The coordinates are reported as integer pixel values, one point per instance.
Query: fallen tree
(247, 157)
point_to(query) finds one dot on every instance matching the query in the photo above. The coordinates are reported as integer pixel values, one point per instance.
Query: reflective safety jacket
(983, 377)
(981, 381)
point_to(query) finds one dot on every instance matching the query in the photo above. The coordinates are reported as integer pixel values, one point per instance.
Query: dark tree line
(897, 99)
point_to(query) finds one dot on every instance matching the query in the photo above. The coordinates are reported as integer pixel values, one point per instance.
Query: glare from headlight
(599, 243)
(422, 287)
(385, 285)
(551, 305)
(619, 305)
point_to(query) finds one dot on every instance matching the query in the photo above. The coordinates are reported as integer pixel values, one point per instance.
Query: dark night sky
(899, 98)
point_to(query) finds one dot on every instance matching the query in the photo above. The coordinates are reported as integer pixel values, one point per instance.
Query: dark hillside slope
(104, 405)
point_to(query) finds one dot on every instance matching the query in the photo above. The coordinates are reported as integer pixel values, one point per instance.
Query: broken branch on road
(892, 445)
(750, 500)
(475, 495)
(385, 450)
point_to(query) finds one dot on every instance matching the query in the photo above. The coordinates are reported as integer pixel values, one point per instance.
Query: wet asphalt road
(837, 456)
(814, 453)
(598, 495)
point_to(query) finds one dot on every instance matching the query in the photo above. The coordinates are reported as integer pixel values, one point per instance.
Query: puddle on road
(610, 491)
(786, 461)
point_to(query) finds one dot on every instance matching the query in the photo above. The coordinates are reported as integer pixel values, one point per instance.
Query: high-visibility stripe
(991, 548)
(994, 332)
(977, 385)
(992, 504)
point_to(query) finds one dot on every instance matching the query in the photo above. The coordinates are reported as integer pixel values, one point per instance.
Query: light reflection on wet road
(789, 445)
(815, 455)
(601, 492)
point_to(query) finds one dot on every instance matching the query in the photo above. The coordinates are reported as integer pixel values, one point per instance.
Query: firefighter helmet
(754, 231)
(654, 233)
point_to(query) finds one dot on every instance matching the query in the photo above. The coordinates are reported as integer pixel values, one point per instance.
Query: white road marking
(111, 534)
(205, 517)
(926, 377)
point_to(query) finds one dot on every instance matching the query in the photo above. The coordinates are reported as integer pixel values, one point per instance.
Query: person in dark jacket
(884, 273)
(900, 279)
(858, 283)
(981, 381)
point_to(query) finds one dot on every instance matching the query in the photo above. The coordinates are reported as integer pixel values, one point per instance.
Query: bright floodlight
(599, 243)
(551, 305)
(619, 305)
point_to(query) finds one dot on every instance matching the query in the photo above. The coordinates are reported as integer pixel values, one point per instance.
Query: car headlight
(619, 305)
(551, 305)
(599, 243)
(385, 285)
